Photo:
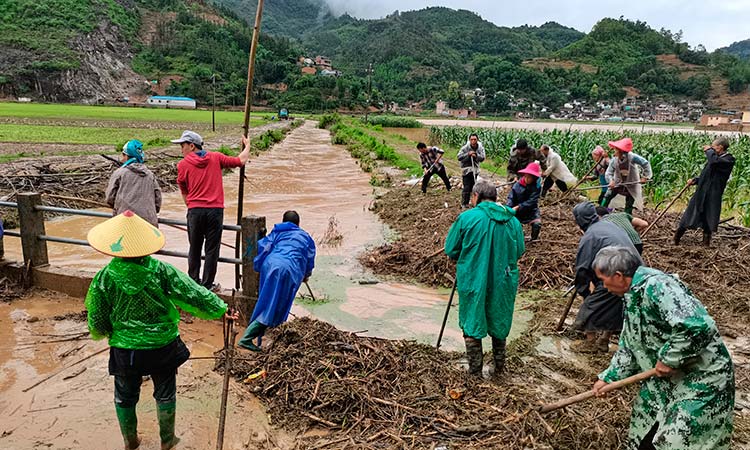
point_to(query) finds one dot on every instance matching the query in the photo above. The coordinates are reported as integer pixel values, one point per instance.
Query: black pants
(548, 182)
(204, 225)
(128, 388)
(468, 181)
(648, 440)
(441, 173)
(629, 199)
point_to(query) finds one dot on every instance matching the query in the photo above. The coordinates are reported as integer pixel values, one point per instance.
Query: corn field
(675, 157)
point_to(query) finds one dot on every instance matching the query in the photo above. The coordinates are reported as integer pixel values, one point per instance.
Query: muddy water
(323, 183)
(78, 413)
(412, 134)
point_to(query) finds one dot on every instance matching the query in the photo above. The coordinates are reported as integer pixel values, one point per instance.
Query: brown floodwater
(413, 134)
(323, 184)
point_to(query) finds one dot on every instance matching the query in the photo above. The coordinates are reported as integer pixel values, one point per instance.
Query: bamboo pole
(588, 394)
(246, 131)
(664, 211)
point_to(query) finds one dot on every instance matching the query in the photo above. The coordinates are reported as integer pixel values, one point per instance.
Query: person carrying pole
(487, 242)
(133, 186)
(600, 315)
(601, 157)
(199, 176)
(524, 198)
(133, 303)
(625, 174)
(556, 173)
(286, 258)
(704, 208)
(470, 156)
(430, 158)
(690, 404)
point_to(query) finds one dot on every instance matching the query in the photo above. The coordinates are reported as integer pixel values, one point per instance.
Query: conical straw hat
(126, 236)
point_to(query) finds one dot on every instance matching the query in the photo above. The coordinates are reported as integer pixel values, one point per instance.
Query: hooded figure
(704, 208)
(487, 241)
(133, 186)
(601, 312)
(286, 258)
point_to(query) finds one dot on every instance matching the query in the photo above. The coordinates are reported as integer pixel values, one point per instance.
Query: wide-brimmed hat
(624, 144)
(126, 236)
(532, 169)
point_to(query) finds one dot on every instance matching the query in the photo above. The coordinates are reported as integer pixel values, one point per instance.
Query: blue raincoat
(285, 257)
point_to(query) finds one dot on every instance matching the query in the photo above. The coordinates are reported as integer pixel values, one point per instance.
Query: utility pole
(369, 92)
(213, 106)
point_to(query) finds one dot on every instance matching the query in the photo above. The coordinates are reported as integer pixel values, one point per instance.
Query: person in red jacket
(199, 176)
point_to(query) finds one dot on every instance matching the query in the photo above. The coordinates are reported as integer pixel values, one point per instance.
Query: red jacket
(199, 178)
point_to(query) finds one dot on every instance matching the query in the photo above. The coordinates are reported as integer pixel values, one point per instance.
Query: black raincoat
(704, 208)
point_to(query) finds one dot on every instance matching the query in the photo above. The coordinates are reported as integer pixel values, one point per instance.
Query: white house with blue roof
(165, 101)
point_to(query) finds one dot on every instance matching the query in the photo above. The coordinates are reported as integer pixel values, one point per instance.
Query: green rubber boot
(128, 426)
(166, 414)
(253, 330)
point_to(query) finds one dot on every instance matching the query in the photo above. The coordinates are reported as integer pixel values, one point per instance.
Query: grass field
(83, 112)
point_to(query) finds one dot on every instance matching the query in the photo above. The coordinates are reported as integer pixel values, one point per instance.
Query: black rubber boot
(678, 235)
(498, 354)
(706, 238)
(474, 355)
(535, 229)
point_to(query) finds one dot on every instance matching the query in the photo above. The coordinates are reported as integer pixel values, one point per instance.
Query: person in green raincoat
(487, 241)
(689, 405)
(133, 302)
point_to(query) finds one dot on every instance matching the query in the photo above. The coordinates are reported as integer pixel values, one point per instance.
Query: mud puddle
(320, 181)
(78, 413)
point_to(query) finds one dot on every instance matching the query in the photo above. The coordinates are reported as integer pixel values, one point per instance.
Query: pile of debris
(376, 393)
(714, 274)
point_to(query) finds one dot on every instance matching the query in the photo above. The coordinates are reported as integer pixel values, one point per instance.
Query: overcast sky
(713, 24)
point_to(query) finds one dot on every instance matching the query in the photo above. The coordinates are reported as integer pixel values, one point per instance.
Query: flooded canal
(323, 183)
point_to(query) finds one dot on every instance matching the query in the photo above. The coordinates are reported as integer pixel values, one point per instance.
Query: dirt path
(78, 413)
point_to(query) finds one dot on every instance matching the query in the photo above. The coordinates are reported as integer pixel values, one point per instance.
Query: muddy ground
(318, 387)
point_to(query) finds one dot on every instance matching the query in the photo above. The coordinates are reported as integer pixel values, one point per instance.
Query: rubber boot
(706, 238)
(253, 330)
(535, 229)
(474, 355)
(602, 342)
(498, 354)
(165, 412)
(128, 426)
(678, 235)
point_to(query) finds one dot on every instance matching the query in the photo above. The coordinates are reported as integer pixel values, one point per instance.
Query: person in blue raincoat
(285, 260)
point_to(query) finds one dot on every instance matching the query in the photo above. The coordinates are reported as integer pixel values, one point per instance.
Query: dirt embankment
(422, 222)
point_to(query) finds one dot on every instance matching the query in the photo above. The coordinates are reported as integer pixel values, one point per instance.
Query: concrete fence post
(32, 226)
(253, 230)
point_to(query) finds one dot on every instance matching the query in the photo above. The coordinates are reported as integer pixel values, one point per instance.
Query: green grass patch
(83, 112)
(393, 121)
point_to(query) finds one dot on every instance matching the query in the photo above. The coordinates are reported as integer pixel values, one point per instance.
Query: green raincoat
(132, 302)
(664, 322)
(487, 240)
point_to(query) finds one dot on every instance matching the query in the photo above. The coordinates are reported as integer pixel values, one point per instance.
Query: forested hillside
(103, 50)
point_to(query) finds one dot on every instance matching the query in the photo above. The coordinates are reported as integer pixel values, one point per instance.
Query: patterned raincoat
(665, 322)
(487, 240)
